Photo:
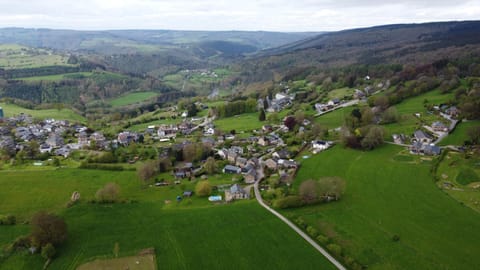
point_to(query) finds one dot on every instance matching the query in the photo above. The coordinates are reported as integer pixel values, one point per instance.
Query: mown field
(408, 121)
(57, 77)
(459, 177)
(387, 196)
(132, 98)
(244, 122)
(194, 234)
(14, 56)
(63, 114)
(459, 135)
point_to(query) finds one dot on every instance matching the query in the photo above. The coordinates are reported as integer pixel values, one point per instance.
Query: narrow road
(296, 229)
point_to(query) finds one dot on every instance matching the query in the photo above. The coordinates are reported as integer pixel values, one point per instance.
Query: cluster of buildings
(278, 103)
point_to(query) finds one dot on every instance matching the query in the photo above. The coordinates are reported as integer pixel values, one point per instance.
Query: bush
(108, 194)
(395, 238)
(335, 249)
(288, 202)
(322, 239)
(8, 220)
(203, 188)
(312, 231)
(48, 251)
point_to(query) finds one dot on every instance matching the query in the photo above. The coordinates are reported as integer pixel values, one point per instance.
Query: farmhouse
(439, 126)
(271, 164)
(320, 145)
(231, 169)
(251, 176)
(421, 136)
(236, 192)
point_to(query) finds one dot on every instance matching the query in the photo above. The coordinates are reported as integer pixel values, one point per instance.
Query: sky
(252, 15)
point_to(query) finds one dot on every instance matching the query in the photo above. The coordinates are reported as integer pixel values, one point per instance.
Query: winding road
(296, 229)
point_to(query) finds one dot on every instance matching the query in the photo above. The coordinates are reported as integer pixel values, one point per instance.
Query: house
(237, 149)
(235, 192)
(54, 140)
(183, 171)
(241, 162)
(251, 176)
(282, 154)
(167, 131)
(452, 111)
(421, 136)
(319, 107)
(320, 145)
(439, 126)
(288, 164)
(232, 169)
(232, 156)
(126, 137)
(271, 164)
(208, 141)
(98, 137)
(209, 131)
(45, 148)
(432, 150)
(399, 138)
(223, 153)
(63, 151)
(83, 138)
(263, 141)
(230, 137)
(359, 94)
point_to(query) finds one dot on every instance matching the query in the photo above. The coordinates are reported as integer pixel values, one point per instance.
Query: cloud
(280, 15)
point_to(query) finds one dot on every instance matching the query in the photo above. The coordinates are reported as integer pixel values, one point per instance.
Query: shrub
(395, 238)
(8, 220)
(322, 239)
(288, 202)
(203, 188)
(312, 231)
(335, 249)
(108, 194)
(48, 251)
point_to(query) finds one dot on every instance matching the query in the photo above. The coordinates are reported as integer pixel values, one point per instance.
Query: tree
(317, 130)
(210, 165)
(373, 138)
(391, 115)
(308, 191)
(290, 122)
(147, 170)
(48, 228)
(382, 102)
(203, 188)
(367, 116)
(331, 187)
(262, 117)
(109, 193)
(474, 134)
(273, 117)
(299, 116)
(48, 251)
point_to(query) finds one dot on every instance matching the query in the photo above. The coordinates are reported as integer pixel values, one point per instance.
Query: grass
(244, 122)
(459, 135)
(456, 175)
(467, 176)
(194, 234)
(140, 262)
(335, 118)
(384, 198)
(132, 98)
(340, 93)
(64, 114)
(16, 57)
(408, 122)
(57, 77)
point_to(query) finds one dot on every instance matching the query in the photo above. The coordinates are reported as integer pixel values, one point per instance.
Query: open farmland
(385, 198)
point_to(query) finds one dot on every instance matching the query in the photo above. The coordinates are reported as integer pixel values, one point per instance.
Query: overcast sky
(271, 15)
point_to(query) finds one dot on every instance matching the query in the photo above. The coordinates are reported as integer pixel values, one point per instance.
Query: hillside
(390, 44)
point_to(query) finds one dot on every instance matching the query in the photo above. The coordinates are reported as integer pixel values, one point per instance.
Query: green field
(459, 135)
(132, 98)
(385, 198)
(460, 178)
(408, 121)
(244, 122)
(335, 118)
(340, 93)
(194, 234)
(57, 77)
(144, 262)
(64, 114)
(15, 57)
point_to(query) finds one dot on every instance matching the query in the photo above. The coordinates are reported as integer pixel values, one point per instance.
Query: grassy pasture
(132, 98)
(384, 198)
(244, 122)
(63, 114)
(16, 56)
(57, 77)
(459, 135)
(140, 262)
(194, 234)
